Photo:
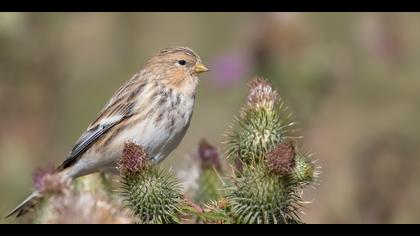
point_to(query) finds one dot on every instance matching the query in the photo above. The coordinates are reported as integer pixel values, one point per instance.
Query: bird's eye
(182, 62)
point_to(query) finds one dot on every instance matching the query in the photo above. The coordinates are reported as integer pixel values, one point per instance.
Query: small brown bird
(152, 109)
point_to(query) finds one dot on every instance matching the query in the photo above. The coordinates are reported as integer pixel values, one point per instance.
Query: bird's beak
(200, 68)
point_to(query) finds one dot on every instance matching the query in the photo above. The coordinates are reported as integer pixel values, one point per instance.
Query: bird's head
(177, 66)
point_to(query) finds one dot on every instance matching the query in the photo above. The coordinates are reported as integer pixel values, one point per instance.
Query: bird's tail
(26, 205)
(35, 197)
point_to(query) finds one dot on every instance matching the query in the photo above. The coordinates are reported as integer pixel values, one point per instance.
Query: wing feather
(120, 107)
(84, 142)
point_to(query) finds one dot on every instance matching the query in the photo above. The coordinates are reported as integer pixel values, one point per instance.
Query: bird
(152, 109)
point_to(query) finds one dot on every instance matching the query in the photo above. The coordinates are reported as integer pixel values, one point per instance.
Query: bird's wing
(116, 110)
(90, 136)
(87, 139)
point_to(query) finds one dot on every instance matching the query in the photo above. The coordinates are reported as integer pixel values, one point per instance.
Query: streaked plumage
(152, 109)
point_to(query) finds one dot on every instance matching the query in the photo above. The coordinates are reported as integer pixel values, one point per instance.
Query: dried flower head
(39, 175)
(48, 182)
(208, 155)
(281, 159)
(134, 158)
(85, 208)
(261, 94)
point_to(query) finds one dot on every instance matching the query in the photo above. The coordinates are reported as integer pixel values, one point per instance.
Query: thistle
(261, 197)
(271, 171)
(62, 201)
(305, 171)
(263, 123)
(209, 183)
(84, 208)
(153, 195)
(281, 159)
(50, 186)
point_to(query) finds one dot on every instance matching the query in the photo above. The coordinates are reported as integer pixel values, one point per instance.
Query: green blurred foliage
(351, 79)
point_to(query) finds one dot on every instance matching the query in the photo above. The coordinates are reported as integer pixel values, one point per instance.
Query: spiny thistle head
(134, 159)
(153, 195)
(208, 156)
(267, 186)
(261, 94)
(281, 160)
(209, 181)
(48, 182)
(305, 171)
(263, 123)
(261, 197)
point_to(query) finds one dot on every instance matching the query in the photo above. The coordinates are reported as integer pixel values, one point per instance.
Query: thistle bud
(153, 195)
(209, 182)
(208, 155)
(258, 197)
(263, 124)
(305, 171)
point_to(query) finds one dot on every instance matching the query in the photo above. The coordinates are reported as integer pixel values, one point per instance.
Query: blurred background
(352, 81)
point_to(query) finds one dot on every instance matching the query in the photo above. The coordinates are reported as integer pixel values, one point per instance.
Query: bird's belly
(158, 139)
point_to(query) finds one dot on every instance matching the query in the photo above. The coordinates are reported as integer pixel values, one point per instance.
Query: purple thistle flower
(134, 158)
(281, 159)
